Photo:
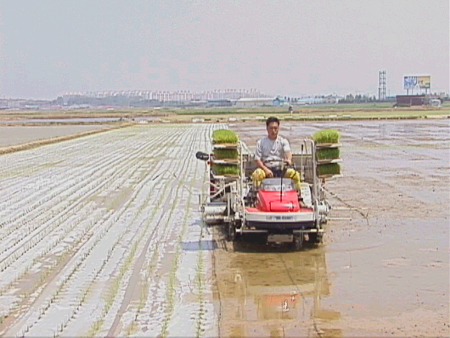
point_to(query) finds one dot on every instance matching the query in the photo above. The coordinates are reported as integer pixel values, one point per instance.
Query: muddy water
(269, 291)
(383, 269)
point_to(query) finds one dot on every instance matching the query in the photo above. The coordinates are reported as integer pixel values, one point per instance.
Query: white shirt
(271, 152)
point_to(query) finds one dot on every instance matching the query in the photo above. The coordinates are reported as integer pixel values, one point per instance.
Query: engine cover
(276, 201)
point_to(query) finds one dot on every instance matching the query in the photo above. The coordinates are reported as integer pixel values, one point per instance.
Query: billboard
(417, 81)
(424, 81)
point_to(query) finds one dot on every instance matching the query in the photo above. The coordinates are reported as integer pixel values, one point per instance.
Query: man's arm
(288, 157)
(287, 151)
(259, 162)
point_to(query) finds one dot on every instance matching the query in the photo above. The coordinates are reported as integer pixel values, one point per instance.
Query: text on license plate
(279, 218)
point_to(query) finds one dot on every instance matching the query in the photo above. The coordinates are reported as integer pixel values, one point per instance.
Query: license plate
(280, 238)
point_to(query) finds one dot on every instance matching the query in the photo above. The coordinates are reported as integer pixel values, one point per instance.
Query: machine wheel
(298, 242)
(315, 237)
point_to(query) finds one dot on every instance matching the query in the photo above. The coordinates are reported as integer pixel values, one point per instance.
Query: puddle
(203, 245)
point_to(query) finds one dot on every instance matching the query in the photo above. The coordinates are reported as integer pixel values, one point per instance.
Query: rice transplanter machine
(277, 209)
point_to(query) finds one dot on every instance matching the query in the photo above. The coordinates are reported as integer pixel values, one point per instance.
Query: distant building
(180, 98)
(329, 99)
(417, 100)
(219, 103)
(277, 102)
(410, 100)
(3, 104)
(254, 102)
(32, 107)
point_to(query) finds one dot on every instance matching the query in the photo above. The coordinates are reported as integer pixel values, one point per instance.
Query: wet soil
(383, 269)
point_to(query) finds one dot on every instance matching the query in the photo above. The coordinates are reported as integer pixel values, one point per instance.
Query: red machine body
(277, 201)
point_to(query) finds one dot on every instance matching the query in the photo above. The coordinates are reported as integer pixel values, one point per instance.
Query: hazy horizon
(288, 48)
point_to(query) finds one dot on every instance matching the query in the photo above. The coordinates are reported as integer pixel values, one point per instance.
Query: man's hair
(272, 119)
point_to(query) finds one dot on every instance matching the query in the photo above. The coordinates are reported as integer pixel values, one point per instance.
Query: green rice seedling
(326, 136)
(328, 169)
(328, 153)
(226, 154)
(224, 136)
(225, 169)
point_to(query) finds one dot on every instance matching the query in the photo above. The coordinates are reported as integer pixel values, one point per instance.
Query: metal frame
(238, 186)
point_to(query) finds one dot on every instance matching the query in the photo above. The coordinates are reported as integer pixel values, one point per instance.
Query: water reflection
(276, 294)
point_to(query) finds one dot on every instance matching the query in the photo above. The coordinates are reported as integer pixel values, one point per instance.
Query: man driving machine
(271, 152)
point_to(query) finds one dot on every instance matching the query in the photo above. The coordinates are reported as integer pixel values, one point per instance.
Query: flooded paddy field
(14, 135)
(101, 236)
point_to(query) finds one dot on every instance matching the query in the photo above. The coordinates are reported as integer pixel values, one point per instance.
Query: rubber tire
(315, 238)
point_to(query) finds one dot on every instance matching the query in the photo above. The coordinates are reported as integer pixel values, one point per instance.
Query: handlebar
(202, 156)
(284, 166)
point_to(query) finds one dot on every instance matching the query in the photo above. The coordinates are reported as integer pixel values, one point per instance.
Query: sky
(293, 48)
